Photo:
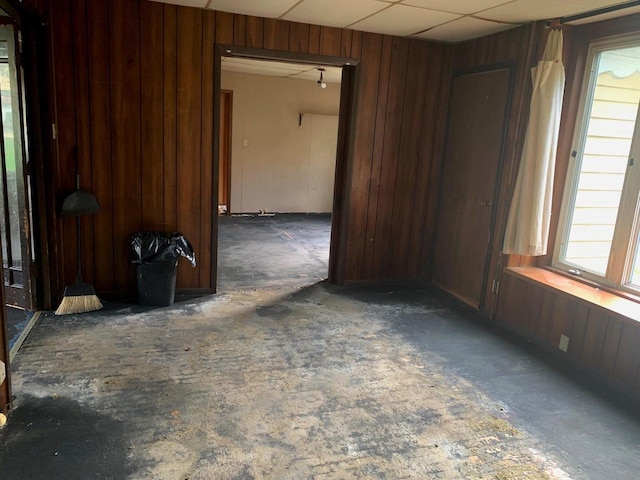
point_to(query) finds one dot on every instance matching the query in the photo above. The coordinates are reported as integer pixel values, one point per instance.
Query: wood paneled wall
(600, 340)
(133, 95)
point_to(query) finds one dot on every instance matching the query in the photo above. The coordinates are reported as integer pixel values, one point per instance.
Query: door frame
(344, 151)
(459, 72)
(228, 120)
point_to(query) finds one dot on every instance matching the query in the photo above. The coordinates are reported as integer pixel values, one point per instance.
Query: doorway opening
(279, 124)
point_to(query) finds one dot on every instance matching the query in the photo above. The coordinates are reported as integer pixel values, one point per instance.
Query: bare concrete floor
(318, 382)
(312, 383)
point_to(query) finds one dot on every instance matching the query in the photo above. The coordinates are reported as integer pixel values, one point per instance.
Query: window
(600, 220)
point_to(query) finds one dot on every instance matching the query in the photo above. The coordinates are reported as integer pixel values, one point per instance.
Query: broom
(79, 297)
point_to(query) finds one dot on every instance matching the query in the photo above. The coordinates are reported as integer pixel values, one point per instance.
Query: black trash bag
(154, 247)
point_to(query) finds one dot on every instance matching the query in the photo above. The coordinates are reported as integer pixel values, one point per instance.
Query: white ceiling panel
(403, 20)
(185, 3)
(280, 69)
(522, 11)
(334, 13)
(463, 29)
(456, 6)
(258, 8)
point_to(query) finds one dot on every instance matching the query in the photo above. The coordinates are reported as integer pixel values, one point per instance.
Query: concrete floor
(279, 251)
(315, 382)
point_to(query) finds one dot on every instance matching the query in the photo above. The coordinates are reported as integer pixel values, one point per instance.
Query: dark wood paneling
(124, 63)
(149, 102)
(83, 125)
(170, 117)
(390, 151)
(330, 41)
(376, 161)
(254, 32)
(594, 336)
(628, 355)
(100, 125)
(239, 30)
(299, 37)
(224, 28)
(276, 34)
(189, 136)
(152, 109)
(599, 339)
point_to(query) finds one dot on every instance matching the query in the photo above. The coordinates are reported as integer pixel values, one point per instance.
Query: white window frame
(620, 263)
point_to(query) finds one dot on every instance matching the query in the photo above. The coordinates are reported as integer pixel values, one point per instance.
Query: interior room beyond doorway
(278, 144)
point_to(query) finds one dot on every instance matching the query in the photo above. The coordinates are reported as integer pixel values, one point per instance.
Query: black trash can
(157, 257)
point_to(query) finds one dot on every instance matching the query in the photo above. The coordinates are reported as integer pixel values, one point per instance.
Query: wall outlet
(564, 343)
(245, 142)
(3, 372)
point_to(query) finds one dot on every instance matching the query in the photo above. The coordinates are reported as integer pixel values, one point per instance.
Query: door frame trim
(229, 139)
(344, 154)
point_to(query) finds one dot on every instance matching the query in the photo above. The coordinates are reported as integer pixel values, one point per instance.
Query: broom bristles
(79, 298)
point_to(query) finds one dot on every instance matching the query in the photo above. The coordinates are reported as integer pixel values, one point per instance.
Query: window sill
(619, 302)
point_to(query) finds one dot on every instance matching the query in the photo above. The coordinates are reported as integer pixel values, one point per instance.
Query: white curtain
(528, 224)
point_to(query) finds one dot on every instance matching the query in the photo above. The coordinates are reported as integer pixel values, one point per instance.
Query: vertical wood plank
(578, 330)
(276, 34)
(594, 336)
(408, 161)
(66, 138)
(330, 41)
(531, 311)
(546, 314)
(628, 357)
(562, 317)
(363, 146)
(124, 49)
(189, 132)
(314, 39)
(299, 37)
(152, 124)
(345, 43)
(224, 28)
(390, 152)
(611, 343)
(376, 161)
(239, 30)
(209, 203)
(100, 125)
(254, 32)
(170, 118)
(356, 44)
(83, 130)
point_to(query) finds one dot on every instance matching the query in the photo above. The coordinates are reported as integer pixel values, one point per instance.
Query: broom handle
(79, 276)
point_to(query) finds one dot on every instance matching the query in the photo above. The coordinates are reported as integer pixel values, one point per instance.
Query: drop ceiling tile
(258, 8)
(331, 75)
(403, 20)
(463, 29)
(335, 13)
(521, 11)
(456, 6)
(185, 3)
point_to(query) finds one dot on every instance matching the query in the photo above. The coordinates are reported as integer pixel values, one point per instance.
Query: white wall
(277, 165)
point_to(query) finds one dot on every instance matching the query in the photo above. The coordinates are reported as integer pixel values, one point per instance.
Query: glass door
(15, 215)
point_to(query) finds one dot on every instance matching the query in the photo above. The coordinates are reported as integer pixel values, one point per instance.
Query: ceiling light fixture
(321, 83)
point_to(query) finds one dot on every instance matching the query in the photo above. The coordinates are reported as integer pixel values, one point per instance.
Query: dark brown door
(15, 215)
(473, 156)
(224, 179)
